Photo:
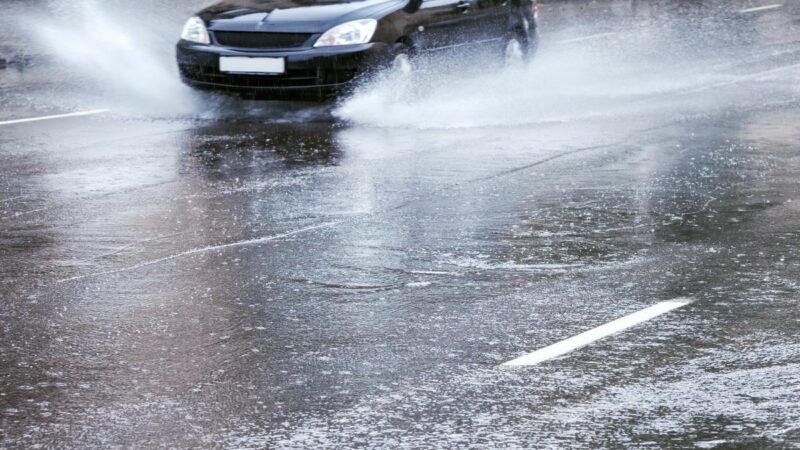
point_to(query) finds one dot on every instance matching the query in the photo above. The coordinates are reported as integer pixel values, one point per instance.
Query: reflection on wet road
(252, 275)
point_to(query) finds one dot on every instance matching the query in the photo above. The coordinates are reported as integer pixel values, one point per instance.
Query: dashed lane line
(54, 117)
(589, 38)
(761, 8)
(750, 77)
(197, 251)
(582, 340)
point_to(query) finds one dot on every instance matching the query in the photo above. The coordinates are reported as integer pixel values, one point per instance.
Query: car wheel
(401, 61)
(515, 52)
(532, 42)
(401, 65)
(522, 43)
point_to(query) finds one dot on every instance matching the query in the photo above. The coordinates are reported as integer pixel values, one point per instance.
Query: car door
(486, 20)
(441, 24)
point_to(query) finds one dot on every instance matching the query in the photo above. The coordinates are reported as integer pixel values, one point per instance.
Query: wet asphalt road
(249, 275)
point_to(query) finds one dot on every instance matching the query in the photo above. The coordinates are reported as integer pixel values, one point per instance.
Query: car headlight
(195, 31)
(350, 33)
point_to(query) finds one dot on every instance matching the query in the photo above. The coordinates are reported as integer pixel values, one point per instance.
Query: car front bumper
(315, 71)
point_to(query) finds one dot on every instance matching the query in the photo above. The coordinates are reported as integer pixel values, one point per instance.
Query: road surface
(180, 270)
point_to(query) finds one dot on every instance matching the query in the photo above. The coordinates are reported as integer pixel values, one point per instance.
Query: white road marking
(133, 245)
(751, 77)
(588, 38)
(59, 116)
(431, 272)
(604, 331)
(761, 8)
(25, 213)
(6, 200)
(196, 251)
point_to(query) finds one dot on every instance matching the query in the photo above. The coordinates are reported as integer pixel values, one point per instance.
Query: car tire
(401, 64)
(525, 39)
(532, 46)
(514, 52)
(401, 59)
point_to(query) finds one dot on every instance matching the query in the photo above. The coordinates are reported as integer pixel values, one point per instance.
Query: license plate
(237, 64)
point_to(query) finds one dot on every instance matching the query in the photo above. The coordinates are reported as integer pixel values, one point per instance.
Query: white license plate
(238, 64)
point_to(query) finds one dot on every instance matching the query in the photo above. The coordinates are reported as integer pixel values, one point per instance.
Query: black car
(320, 47)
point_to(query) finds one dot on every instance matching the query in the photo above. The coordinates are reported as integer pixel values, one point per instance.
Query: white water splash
(626, 76)
(124, 58)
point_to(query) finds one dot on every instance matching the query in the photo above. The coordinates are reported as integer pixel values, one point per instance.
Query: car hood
(306, 16)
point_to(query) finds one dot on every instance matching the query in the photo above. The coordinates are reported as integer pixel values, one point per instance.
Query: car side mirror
(413, 6)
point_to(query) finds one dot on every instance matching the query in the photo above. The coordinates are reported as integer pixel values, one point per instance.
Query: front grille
(261, 41)
(294, 78)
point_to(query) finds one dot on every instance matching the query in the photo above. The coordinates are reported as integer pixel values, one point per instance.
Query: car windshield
(280, 4)
(233, 8)
(323, 2)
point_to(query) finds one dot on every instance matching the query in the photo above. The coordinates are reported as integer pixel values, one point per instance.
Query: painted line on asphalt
(11, 199)
(751, 77)
(196, 251)
(58, 116)
(589, 38)
(761, 8)
(601, 332)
